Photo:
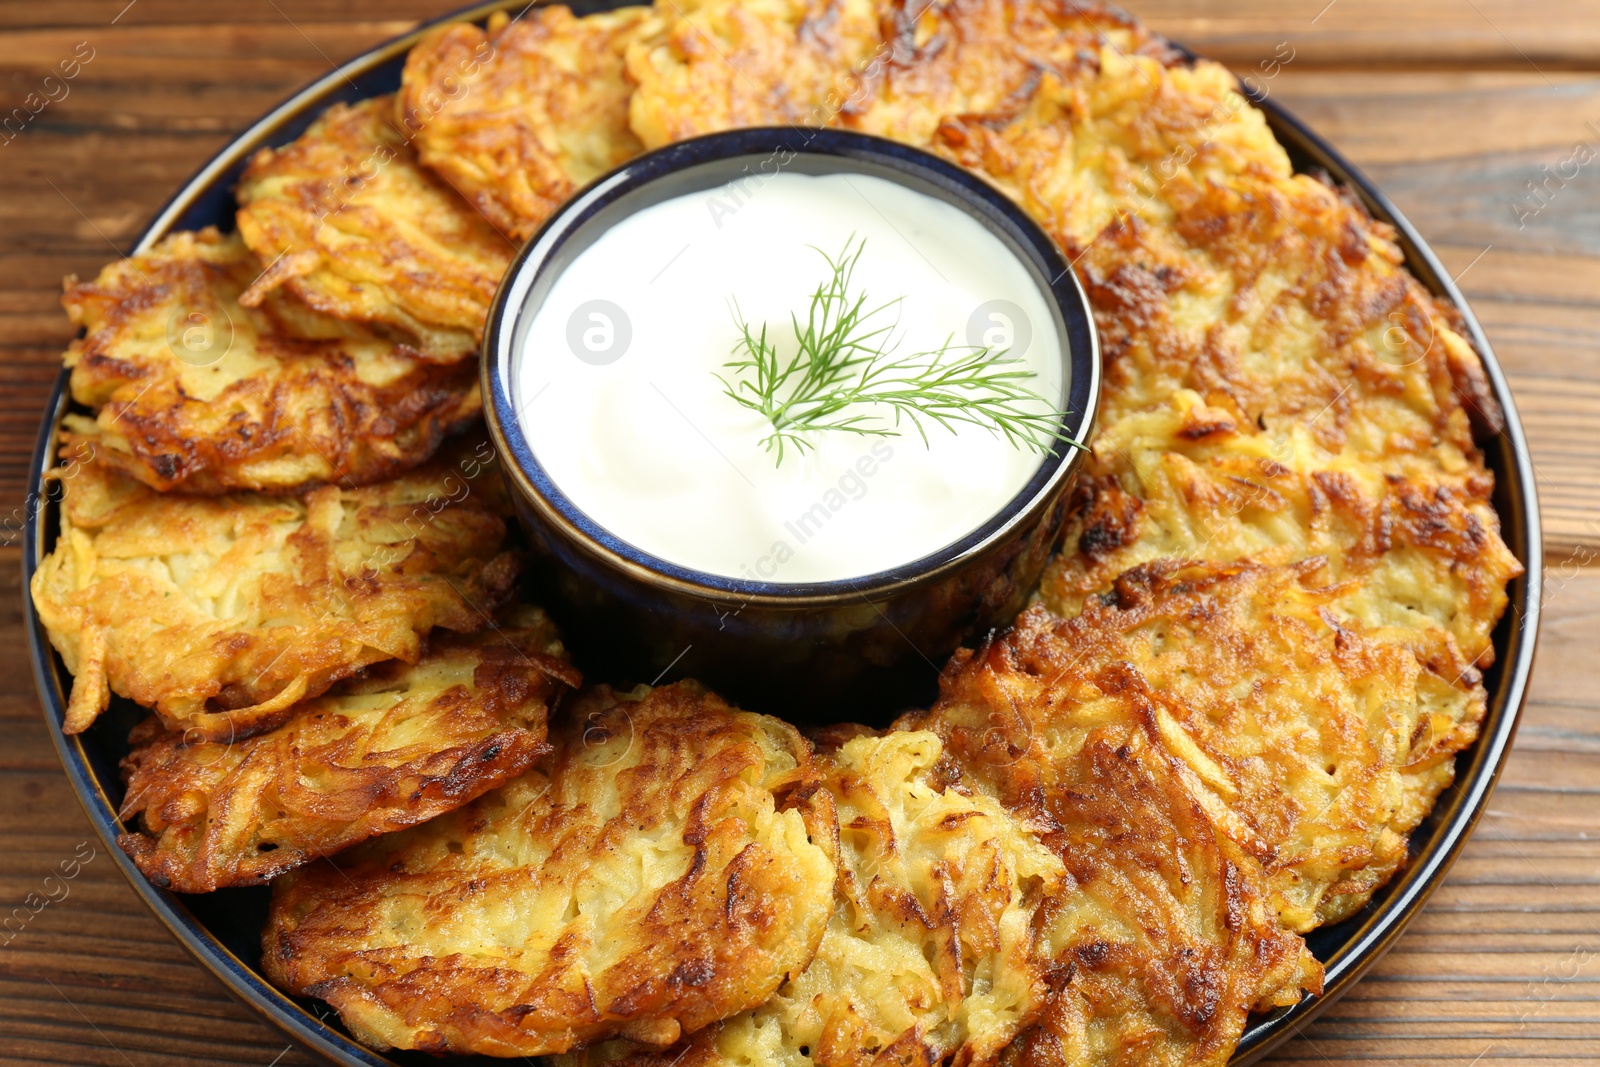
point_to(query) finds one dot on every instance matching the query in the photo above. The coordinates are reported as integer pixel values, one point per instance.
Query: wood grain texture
(1452, 105)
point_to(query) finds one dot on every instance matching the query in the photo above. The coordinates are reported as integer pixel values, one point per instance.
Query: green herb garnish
(845, 358)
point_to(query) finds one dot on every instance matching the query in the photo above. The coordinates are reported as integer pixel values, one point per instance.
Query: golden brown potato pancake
(929, 957)
(348, 220)
(1217, 268)
(194, 392)
(1278, 389)
(222, 613)
(1277, 386)
(708, 65)
(393, 747)
(894, 68)
(946, 58)
(650, 877)
(1168, 943)
(1165, 937)
(518, 116)
(1417, 543)
(1317, 746)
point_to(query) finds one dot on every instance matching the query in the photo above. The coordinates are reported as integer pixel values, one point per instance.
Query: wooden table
(1454, 106)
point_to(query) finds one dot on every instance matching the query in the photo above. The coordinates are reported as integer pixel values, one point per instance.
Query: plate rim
(1405, 895)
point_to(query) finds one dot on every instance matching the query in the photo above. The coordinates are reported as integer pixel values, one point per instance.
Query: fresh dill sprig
(845, 359)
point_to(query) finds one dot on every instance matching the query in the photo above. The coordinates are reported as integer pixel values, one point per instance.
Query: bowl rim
(1377, 928)
(716, 152)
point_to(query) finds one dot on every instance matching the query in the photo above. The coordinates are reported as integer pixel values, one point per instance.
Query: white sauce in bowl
(617, 389)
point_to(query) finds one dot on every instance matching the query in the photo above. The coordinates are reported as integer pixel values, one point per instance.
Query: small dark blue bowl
(828, 648)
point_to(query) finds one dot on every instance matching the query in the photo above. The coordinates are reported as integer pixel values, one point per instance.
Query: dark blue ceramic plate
(223, 929)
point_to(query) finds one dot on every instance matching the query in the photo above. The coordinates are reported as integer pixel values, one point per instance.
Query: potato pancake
(708, 65)
(518, 116)
(1277, 386)
(348, 220)
(947, 58)
(194, 392)
(1165, 937)
(929, 957)
(1279, 389)
(894, 69)
(1219, 268)
(1304, 737)
(393, 747)
(653, 875)
(224, 612)
(1417, 543)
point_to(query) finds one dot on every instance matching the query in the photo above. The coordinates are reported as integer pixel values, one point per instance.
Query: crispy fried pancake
(894, 68)
(1214, 267)
(708, 65)
(351, 223)
(393, 747)
(1168, 943)
(929, 957)
(948, 58)
(1417, 541)
(194, 392)
(1165, 938)
(1278, 386)
(520, 116)
(649, 878)
(223, 612)
(1315, 745)
(1278, 390)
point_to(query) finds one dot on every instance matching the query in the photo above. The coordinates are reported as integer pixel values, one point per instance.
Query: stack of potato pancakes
(1240, 688)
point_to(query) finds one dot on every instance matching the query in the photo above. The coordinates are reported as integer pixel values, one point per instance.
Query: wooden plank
(106, 14)
(1369, 33)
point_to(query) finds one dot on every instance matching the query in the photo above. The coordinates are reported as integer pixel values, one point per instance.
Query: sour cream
(617, 386)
